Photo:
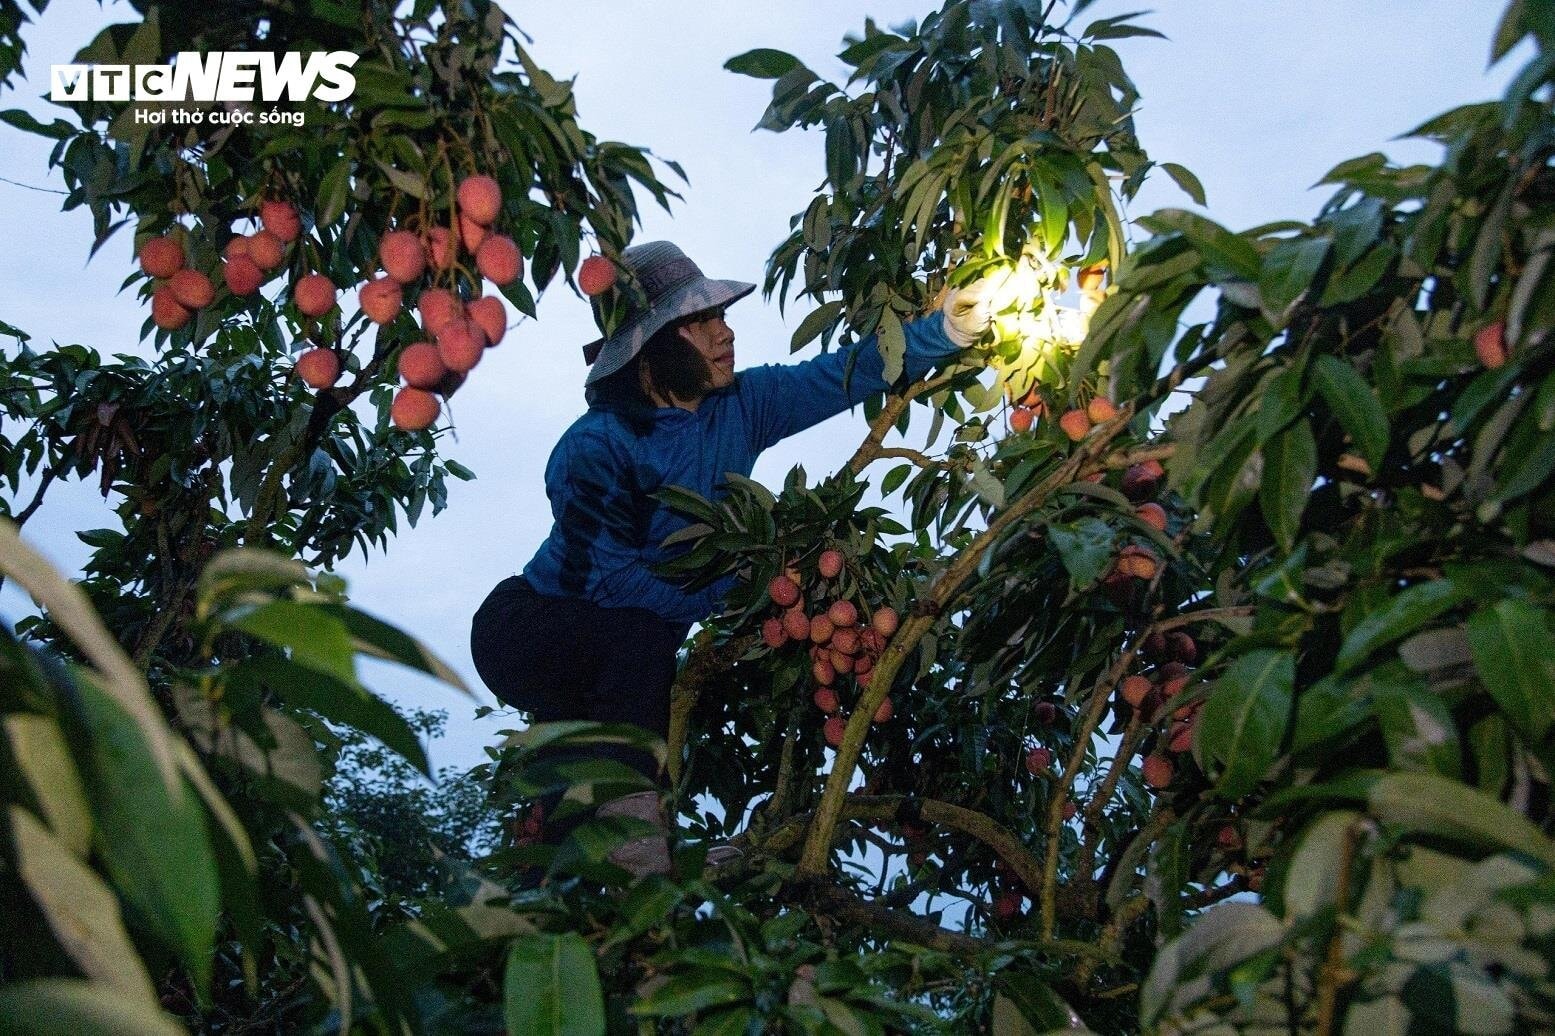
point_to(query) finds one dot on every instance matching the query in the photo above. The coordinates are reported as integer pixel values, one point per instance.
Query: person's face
(714, 341)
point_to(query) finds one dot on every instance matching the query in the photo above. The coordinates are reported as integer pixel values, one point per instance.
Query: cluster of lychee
(1135, 565)
(841, 642)
(1170, 655)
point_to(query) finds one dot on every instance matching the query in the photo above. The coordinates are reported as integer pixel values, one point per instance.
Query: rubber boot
(648, 854)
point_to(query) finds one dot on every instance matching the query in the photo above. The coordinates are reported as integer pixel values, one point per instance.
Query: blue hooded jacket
(608, 529)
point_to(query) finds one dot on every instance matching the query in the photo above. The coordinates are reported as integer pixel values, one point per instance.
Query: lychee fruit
(192, 289)
(1158, 771)
(1490, 345)
(414, 409)
(840, 661)
(596, 275)
(491, 316)
(1153, 515)
(401, 255)
(842, 614)
(437, 307)
(1155, 647)
(1006, 905)
(166, 311)
(280, 218)
(1134, 689)
(884, 711)
(1101, 409)
(1045, 713)
(161, 257)
(314, 295)
(821, 629)
(826, 700)
(421, 366)
(1182, 647)
(1228, 839)
(1180, 738)
(1038, 760)
(319, 368)
(863, 665)
(235, 247)
(783, 591)
(772, 633)
(380, 299)
(1075, 424)
(1141, 480)
(266, 249)
(480, 198)
(460, 344)
(835, 728)
(499, 260)
(846, 640)
(440, 248)
(1139, 562)
(1173, 679)
(471, 233)
(243, 277)
(1069, 809)
(824, 672)
(796, 624)
(885, 621)
(830, 564)
(1021, 419)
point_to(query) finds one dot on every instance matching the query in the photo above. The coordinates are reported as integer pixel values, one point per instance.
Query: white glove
(969, 309)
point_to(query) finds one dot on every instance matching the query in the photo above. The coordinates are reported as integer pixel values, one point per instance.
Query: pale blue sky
(1258, 98)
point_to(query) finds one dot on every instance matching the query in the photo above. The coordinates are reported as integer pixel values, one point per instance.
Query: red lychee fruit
(846, 640)
(830, 563)
(266, 249)
(841, 662)
(1141, 480)
(1490, 345)
(314, 295)
(824, 672)
(161, 257)
(414, 409)
(1155, 647)
(772, 633)
(826, 700)
(821, 629)
(499, 260)
(319, 368)
(491, 316)
(166, 311)
(1182, 648)
(1180, 737)
(1173, 678)
(1007, 904)
(380, 299)
(872, 640)
(1038, 760)
(863, 679)
(1075, 424)
(1158, 771)
(1228, 839)
(1021, 419)
(796, 623)
(460, 344)
(1069, 809)
(863, 665)
(1139, 562)
(783, 591)
(480, 198)
(1045, 713)
(421, 366)
(401, 255)
(437, 307)
(243, 277)
(1153, 515)
(1134, 689)
(834, 729)
(280, 218)
(842, 614)
(192, 289)
(1101, 409)
(885, 622)
(596, 275)
(235, 247)
(885, 711)
(441, 248)
(471, 233)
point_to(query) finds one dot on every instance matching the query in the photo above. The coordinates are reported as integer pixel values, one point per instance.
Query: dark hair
(671, 365)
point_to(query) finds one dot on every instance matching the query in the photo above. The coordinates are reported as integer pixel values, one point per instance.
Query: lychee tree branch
(870, 449)
(924, 615)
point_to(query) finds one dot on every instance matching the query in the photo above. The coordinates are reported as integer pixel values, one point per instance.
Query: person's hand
(969, 309)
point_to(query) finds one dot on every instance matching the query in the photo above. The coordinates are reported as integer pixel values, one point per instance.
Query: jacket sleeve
(782, 399)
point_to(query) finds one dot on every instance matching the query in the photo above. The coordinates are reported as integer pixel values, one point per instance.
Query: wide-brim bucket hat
(661, 285)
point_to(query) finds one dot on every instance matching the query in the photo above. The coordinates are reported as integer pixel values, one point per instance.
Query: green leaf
(1085, 548)
(1355, 406)
(1185, 179)
(1514, 652)
(1289, 467)
(552, 987)
(81, 911)
(1288, 272)
(152, 839)
(379, 639)
(762, 63)
(70, 1007)
(316, 639)
(1441, 806)
(1229, 255)
(43, 761)
(813, 324)
(892, 343)
(59, 129)
(689, 993)
(1244, 718)
(1403, 615)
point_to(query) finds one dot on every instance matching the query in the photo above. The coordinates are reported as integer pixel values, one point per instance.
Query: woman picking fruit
(589, 631)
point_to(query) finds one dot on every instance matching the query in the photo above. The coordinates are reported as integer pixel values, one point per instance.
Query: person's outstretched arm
(782, 399)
